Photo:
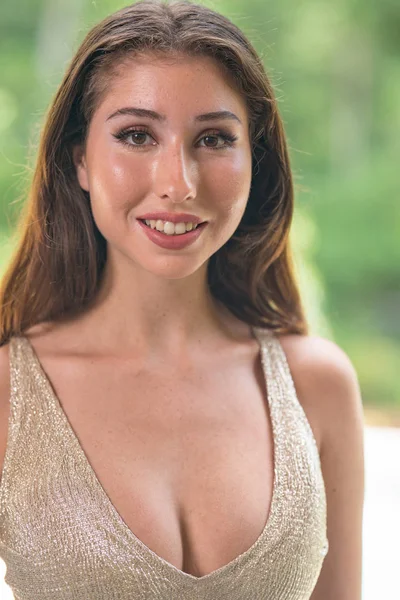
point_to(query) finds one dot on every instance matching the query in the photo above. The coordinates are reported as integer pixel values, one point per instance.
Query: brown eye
(135, 138)
(211, 137)
(227, 139)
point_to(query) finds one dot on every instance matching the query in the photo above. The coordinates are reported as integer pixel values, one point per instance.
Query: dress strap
(284, 401)
(18, 377)
(277, 370)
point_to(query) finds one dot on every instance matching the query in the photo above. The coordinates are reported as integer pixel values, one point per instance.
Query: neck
(145, 313)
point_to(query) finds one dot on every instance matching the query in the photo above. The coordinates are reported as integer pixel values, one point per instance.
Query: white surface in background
(381, 535)
(381, 543)
(5, 592)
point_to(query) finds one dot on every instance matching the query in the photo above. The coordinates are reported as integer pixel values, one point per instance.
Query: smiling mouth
(171, 229)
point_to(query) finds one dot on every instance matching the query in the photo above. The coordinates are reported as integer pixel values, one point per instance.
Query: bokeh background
(335, 67)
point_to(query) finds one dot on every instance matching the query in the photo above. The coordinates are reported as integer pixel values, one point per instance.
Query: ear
(78, 156)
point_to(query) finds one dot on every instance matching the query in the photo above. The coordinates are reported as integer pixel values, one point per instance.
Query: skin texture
(175, 169)
(156, 330)
(328, 389)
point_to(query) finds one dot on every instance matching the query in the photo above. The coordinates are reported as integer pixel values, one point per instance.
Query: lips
(171, 217)
(172, 242)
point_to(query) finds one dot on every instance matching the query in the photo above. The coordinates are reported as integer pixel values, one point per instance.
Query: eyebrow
(151, 114)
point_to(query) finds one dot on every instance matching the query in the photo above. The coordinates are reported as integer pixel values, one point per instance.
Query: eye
(136, 133)
(138, 136)
(227, 138)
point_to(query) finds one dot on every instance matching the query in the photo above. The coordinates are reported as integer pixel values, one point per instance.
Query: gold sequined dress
(62, 539)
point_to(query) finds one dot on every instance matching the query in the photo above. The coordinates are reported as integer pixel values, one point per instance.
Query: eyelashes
(123, 136)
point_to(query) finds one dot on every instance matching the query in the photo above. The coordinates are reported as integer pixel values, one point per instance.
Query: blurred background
(335, 68)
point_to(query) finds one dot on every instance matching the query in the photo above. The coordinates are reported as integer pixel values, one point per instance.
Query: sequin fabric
(62, 539)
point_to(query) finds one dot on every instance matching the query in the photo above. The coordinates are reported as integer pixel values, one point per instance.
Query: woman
(161, 401)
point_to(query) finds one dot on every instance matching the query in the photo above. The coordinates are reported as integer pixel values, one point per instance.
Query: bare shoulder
(327, 387)
(4, 399)
(326, 383)
(318, 357)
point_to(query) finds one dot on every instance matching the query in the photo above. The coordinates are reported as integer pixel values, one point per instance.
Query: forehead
(179, 84)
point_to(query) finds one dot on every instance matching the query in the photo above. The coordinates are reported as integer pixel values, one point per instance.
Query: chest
(184, 456)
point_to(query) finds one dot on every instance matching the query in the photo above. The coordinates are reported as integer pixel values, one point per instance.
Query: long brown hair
(60, 255)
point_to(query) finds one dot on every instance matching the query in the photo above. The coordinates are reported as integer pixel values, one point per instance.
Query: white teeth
(170, 228)
(178, 228)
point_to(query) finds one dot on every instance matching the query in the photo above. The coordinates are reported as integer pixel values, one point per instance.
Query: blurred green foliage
(335, 68)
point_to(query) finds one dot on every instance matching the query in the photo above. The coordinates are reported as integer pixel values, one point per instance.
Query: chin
(173, 268)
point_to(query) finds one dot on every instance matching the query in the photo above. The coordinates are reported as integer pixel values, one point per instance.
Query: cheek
(116, 185)
(120, 181)
(232, 182)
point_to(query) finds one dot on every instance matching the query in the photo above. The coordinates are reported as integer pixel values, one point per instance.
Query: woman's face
(157, 149)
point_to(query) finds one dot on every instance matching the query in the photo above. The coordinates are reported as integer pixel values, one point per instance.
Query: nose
(175, 175)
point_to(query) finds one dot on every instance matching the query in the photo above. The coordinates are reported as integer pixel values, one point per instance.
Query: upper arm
(327, 387)
(4, 400)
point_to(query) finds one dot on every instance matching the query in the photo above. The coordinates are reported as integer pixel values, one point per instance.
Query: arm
(342, 460)
(327, 387)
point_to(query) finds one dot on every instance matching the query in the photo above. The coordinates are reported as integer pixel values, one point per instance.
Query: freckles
(242, 163)
(117, 183)
(239, 178)
(120, 176)
(229, 185)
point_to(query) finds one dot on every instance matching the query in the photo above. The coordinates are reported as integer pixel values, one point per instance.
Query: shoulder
(318, 358)
(327, 387)
(326, 383)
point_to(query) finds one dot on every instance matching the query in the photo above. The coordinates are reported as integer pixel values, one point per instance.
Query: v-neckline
(265, 357)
